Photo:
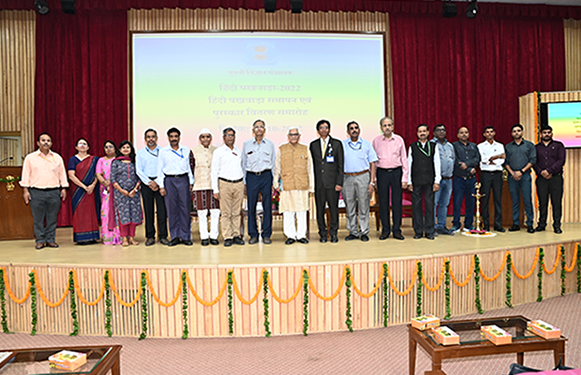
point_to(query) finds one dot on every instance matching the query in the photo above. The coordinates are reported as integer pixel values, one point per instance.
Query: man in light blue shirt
(258, 160)
(176, 181)
(442, 196)
(146, 165)
(359, 181)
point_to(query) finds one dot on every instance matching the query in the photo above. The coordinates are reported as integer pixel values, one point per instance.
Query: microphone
(9, 158)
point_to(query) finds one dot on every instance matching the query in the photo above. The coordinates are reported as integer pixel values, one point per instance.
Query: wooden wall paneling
(8, 148)
(572, 54)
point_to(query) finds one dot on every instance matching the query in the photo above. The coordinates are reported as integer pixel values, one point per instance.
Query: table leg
(116, 368)
(412, 355)
(436, 365)
(559, 354)
(520, 358)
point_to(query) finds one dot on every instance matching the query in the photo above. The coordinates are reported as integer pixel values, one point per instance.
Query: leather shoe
(303, 241)
(351, 237)
(557, 230)
(364, 238)
(174, 241)
(514, 228)
(539, 229)
(384, 236)
(499, 229)
(266, 241)
(238, 241)
(164, 241)
(417, 236)
(205, 242)
(253, 240)
(289, 241)
(150, 241)
(52, 244)
(214, 242)
(323, 239)
(334, 238)
(430, 237)
(188, 242)
(39, 245)
(228, 242)
(398, 236)
(487, 229)
(531, 230)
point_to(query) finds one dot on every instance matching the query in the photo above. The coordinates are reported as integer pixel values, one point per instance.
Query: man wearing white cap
(203, 197)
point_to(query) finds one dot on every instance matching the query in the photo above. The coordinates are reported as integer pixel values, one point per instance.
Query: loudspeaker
(269, 6)
(450, 10)
(296, 6)
(68, 6)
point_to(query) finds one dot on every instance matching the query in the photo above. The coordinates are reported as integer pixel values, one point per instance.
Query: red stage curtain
(470, 72)
(81, 81)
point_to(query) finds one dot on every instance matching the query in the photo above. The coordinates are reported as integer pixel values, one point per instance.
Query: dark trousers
(330, 197)
(389, 190)
(151, 199)
(45, 206)
(552, 188)
(463, 189)
(491, 181)
(516, 188)
(423, 194)
(255, 185)
(177, 203)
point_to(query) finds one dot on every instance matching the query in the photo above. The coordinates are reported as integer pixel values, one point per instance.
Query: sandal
(125, 243)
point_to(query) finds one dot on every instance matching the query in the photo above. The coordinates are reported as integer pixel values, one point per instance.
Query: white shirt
(172, 162)
(227, 164)
(488, 150)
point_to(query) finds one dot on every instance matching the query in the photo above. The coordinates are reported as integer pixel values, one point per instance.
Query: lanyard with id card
(330, 158)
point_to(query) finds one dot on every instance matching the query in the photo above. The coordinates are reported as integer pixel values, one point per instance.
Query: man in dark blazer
(327, 153)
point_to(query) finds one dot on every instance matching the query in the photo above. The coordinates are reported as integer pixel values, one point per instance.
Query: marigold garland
(496, 276)
(528, 274)
(80, 293)
(305, 302)
(143, 307)
(563, 267)
(43, 296)
(198, 298)
(16, 300)
(73, 306)
(348, 315)
(468, 275)
(108, 313)
(385, 296)
(447, 290)
(3, 314)
(118, 296)
(555, 265)
(419, 290)
(33, 312)
(265, 302)
(508, 301)
(239, 293)
(230, 314)
(332, 297)
(291, 298)
(578, 268)
(410, 287)
(477, 284)
(440, 279)
(540, 275)
(573, 260)
(372, 292)
(184, 284)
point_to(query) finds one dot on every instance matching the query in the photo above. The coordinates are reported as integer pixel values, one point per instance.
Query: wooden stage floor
(23, 252)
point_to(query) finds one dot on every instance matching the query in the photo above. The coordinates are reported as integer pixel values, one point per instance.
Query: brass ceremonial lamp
(478, 227)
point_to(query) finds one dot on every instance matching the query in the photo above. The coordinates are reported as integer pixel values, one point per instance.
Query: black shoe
(303, 241)
(334, 238)
(487, 229)
(188, 242)
(228, 242)
(445, 231)
(364, 238)
(417, 236)
(539, 229)
(430, 237)
(398, 236)
(214, 242)
(289, 241)
(531, 230)
(238, 241)
(164, 241)
(351, 237)
(266, 241)
(384, 236)
(253, 240)
(205, 242)
(557, 230)
(150, 241)
(514, 228)
(174, 241)
(323, 239)
(499, 229)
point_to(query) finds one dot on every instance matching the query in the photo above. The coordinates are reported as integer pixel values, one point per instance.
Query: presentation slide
(219, 80)
(565, 119)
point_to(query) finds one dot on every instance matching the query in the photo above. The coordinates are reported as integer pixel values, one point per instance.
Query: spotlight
(472, 9)
(449, 9)
(68, 6)
(296, 6)
(41, 7)
(269, 6)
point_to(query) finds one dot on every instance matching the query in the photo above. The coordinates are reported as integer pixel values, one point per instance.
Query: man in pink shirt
(44, 182)
(392, 174)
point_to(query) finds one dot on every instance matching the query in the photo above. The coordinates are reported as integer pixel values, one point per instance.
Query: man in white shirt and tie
(491, 159)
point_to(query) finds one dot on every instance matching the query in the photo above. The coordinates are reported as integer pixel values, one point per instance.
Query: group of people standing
(212, 181)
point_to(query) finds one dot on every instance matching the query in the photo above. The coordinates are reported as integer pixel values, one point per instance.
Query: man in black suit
(327, 153)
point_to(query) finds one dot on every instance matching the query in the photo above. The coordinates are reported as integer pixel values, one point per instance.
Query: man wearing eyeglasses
(202, 195)
(358, 184)
(327, 154)
(258, 158)
(228, 186)
(293, 178)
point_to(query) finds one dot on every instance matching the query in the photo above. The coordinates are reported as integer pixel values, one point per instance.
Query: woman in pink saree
(109, 237)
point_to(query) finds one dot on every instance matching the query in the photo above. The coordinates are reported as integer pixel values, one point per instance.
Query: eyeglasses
(229, 135)
(354, 128)
(109, 146)
(293, 134)
(323, 127)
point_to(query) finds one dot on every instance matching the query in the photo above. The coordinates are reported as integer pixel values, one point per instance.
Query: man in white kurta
(293, 178)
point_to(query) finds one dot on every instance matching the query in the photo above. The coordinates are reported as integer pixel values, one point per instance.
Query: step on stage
(206, 274)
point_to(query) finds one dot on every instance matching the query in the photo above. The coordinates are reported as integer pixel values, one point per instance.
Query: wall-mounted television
(565, 119)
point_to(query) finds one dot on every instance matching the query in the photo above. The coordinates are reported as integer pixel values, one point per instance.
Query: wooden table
(471, 344)
(100, 360)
